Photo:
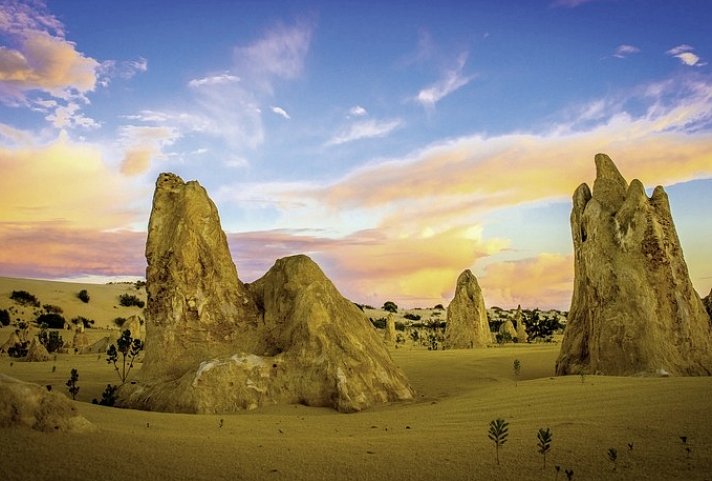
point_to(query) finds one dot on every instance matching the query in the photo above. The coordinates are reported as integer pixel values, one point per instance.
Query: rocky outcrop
(136, 326)
(707, 301)
(389, 335)
(634, 310)
(28, 405)
(507, 329)
(80, 341)
(521, 328)
(467, 324)
(11, 341)
(37, 352)
(213, 345)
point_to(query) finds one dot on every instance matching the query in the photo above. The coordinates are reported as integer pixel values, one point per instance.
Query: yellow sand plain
(442, 435)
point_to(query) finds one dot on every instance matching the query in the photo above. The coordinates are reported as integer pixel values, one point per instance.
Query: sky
(396, 143)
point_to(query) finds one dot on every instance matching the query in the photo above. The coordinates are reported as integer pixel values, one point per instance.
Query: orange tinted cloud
(54, 249)
(543, 281)
(45, 62)
(67, 181)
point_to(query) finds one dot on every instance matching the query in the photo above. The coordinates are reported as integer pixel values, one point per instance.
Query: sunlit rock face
(216, 345)
(28, 405)
(467, 325)
(707, 301)
(634, 310)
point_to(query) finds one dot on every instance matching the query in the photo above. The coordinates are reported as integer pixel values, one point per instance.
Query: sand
(442, 435)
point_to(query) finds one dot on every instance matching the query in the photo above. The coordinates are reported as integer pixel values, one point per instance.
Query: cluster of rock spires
(634, 310)
(216, 345)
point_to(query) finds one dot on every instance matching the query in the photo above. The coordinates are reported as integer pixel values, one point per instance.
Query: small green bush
(379, 323)
(4, 317)
(412, 317)
(52, 309)
(120, 321)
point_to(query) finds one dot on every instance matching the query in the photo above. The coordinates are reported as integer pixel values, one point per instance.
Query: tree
(24, 298)
(83, 295)
(390, 306)
(543, 442)
(72, 384)
(4, 317)
(498, 433)
(52, 321)
(517, 368)
(108, 397)
(52, 341)
(128, 348)
(128, 300)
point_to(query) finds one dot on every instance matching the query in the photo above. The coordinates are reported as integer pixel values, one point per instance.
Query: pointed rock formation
(389, 336)
(27, 405)
(213, 345)
(11, 342)
(634, 310)
(80, 341)
(37, 352)
(521, 328)
(467, 324)
(507, 327)
(136, 326)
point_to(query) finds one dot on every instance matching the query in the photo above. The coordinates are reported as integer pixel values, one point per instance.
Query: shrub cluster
(4, 317)
(83, 295)
(51, 320)
(24, 298)
(128, 300)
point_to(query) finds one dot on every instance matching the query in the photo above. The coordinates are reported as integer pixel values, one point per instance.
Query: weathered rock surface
(213, 345)
(467, 324)
(634, 310)
(136, 326)
(13, 339)
(80, 340)
(507, 327)
(36, 352)
(521, 328)
(707, 301)
(29, 405)
(389, 336)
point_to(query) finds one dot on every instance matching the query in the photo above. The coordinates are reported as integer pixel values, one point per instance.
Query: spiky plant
(516, 367)
(72, 383)
(129, 348)
(543, 442)
(569, 474)
(498, 433)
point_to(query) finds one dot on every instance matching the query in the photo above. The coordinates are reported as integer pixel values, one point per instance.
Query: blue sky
(397, 143)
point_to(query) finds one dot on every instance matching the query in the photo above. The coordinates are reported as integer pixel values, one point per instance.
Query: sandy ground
(441, 435)
(103, 306)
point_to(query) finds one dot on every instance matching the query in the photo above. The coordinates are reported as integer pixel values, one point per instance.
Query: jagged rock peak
(467, 326)
(633, 308)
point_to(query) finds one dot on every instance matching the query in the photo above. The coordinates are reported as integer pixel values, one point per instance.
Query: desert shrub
(128, 300)
(51, 340)
(53, 321)
(139, 284)
(503, 337)
(83, 296)
(379, 323)
(399, 326)
(543, 442)
(128, 348)
(541, 328)
(4, 317)
(390, 306)
(495, 324)
(24, 298)
(432, 342)
(52, 309)
(439, 307)
(435, 324)
(120, 321)
(412, 317)
(108, 397)
(87, 323)
(72, 383)
(414, 336)
(19, 349)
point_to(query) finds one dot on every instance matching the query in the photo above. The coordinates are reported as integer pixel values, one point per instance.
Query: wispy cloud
(624, 50)
(142, 145)
(124, 69)
(281, 112)
(451, 81)
(357, 111)
(365, 129)
(220, 79)
(686, 56)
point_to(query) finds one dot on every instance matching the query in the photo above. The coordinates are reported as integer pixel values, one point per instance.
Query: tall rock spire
(634, 310)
